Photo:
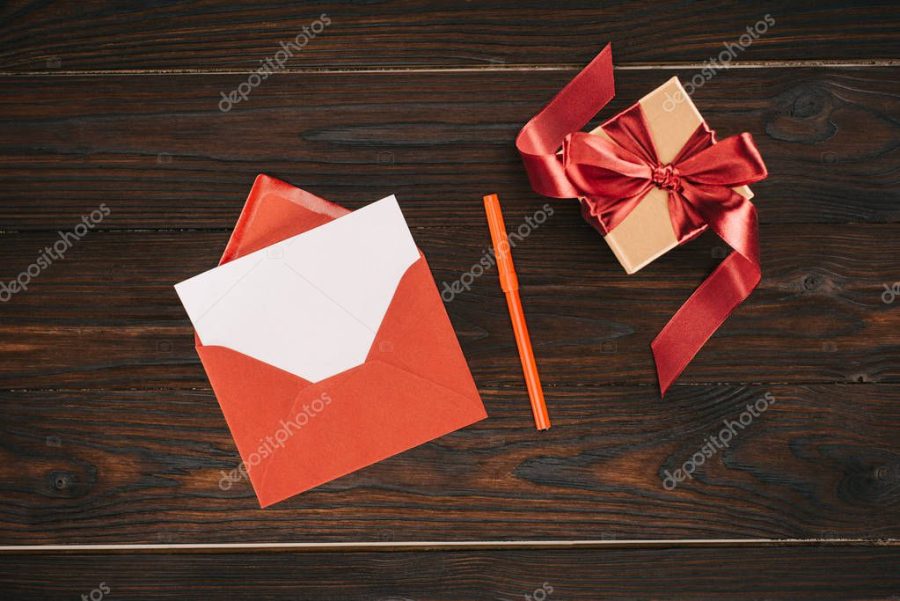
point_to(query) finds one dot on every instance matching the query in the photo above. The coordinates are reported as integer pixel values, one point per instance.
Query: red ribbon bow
(613, 176)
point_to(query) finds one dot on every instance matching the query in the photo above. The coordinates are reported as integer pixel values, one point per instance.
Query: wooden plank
(217, 34)
(110, 433)
(94, 467)
(107, 315)
(790, 573)
(160, 154)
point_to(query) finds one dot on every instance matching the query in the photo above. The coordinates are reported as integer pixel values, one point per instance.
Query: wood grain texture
(158, 151)
(148, 467)
(216, 34)
(107, 314)
(110, 433)
(788, 573)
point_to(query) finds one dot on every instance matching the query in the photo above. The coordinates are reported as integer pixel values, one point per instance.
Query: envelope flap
(417, 326)
(274, 211)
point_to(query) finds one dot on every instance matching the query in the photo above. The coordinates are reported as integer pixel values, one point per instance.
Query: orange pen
(509, 283)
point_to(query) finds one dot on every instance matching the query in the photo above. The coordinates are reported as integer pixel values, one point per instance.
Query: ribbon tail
(713, 301)
(573, 107)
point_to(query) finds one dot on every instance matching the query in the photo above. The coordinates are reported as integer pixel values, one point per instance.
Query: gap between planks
(784, 64)
(458, 546)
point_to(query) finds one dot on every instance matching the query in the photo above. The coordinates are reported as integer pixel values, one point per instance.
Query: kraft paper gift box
(651, 178)
(646, 233)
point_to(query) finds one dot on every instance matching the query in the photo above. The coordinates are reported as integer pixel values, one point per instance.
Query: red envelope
(414, 386)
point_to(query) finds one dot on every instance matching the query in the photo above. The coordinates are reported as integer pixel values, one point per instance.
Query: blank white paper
(311, 304)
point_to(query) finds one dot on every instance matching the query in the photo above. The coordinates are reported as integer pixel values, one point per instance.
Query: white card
(311, 304)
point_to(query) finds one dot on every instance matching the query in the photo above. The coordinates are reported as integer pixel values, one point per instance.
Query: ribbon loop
(732, 162)
(613, 175)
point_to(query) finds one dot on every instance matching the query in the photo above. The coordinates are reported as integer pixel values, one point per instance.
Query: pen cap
(508, 279)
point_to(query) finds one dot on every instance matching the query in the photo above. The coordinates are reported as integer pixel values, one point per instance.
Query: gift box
(651, 178)
(647, 232)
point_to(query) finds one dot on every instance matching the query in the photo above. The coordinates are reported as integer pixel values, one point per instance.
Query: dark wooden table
(112, 443)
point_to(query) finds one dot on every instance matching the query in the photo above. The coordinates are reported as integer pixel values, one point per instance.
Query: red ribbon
(613, 176)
